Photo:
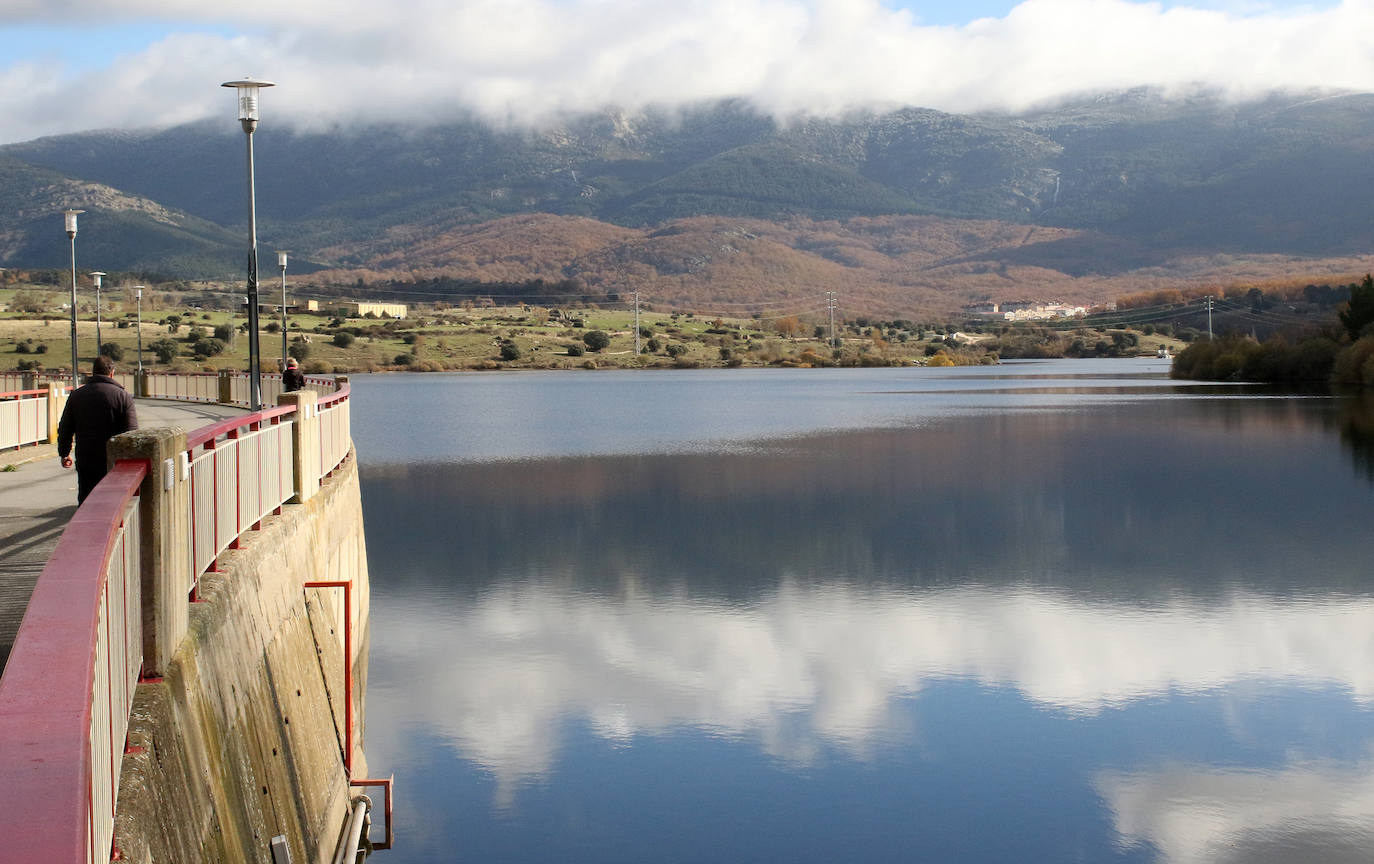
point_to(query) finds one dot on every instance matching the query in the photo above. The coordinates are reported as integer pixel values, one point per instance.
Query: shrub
(653, 346)
(299, 350)
(596, 339)
(1358, 311)
(25, 347)
(343, 339)
(576, 350)
(404, 359)
(225, 332)
(41, 348)
(676, 350)
(208, 347)
(165, 349)
(113, 351)
(510, 351)
(1355, 365)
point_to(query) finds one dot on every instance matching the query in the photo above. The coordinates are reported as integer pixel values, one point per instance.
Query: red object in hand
(66, 461)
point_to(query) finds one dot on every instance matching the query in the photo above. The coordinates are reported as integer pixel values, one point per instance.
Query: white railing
(241, 470)
(335, 431)
(23, 418)
(118, 656)
(271, 382)
(190, 387)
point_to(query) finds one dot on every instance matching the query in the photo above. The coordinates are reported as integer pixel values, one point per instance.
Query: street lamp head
(138, 291)
(281, 257)
(71, 222)
(248, 100)
(96, 274)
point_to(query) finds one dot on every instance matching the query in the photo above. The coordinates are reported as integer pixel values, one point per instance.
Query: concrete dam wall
(244, 737)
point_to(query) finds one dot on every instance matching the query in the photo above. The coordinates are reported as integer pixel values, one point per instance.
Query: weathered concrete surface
(243, 739)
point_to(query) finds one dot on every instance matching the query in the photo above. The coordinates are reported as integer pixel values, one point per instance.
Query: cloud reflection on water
(807, 667)
(1308, 811)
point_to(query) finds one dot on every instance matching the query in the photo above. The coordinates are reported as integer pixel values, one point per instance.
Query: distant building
(1042, 312)
(378, 310)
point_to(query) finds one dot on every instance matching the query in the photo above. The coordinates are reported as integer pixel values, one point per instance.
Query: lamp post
(281, 263)
(71, 235)
(96, 276)
(248, 118)
(138, 292)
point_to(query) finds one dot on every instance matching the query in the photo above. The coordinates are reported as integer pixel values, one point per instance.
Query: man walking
(95, 413)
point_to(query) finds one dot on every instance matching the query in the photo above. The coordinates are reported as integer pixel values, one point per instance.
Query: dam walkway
(116, 579)
(38, 498)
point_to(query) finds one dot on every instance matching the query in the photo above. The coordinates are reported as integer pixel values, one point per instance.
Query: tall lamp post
(248, 119)
(138, 292)
(71, 235)
(281, 263)
(96, 276)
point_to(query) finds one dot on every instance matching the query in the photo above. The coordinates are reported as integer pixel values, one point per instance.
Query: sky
(74, 65)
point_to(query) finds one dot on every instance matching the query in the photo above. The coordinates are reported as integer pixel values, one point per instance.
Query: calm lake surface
(1043, 612)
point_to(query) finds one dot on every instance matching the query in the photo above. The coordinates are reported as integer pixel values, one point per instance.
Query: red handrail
(338, 396)
(45, 694)
(19, 394)
(214, 430)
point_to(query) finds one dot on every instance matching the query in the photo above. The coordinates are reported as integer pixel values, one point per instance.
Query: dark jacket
(292, 379)
(95, 413)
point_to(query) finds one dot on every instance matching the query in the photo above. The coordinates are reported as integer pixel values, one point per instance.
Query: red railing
(69, 683)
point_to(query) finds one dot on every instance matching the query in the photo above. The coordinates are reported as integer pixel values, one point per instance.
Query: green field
(35, 328)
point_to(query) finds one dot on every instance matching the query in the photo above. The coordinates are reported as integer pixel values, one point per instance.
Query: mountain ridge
(1126, 190)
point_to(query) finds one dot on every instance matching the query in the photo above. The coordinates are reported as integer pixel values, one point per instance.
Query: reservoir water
(1044, 612)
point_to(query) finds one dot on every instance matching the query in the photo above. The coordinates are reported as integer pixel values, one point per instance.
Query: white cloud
(524, 60)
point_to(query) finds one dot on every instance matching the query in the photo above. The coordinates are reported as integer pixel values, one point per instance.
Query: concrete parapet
(226, 387)
(57, 400)
(242, 740)
(305, 434)
(165, 536)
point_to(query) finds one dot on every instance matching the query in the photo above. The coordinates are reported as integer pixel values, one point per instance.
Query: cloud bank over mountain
(526, 61)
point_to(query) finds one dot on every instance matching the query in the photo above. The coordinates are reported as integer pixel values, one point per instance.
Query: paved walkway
(38, 496)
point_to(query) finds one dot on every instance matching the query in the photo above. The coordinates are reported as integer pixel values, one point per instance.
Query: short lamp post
(281, 264)
(71, 235)
(248, 118)
(96, 276)
(138, 292)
